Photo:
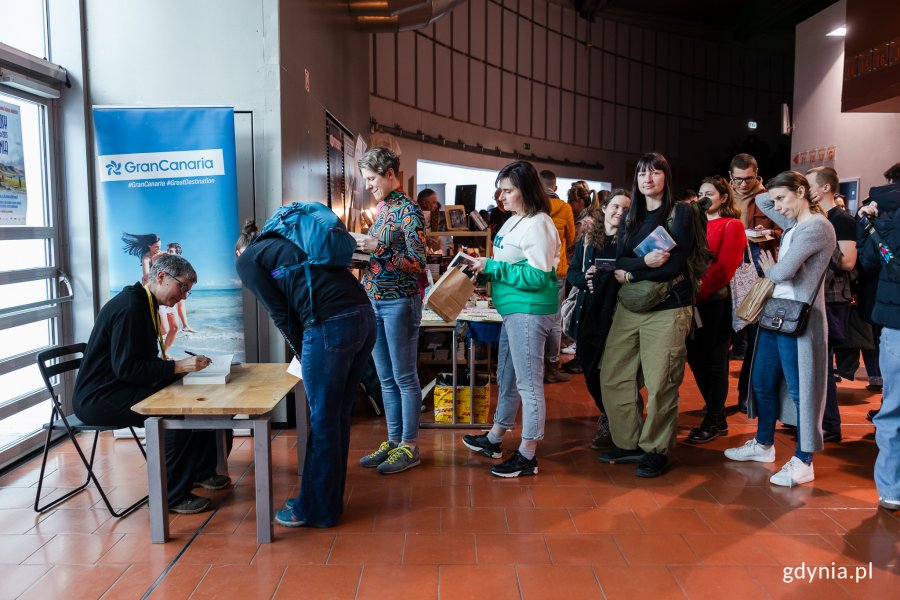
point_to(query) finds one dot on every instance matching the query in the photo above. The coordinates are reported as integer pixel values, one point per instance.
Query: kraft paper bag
(449, 295)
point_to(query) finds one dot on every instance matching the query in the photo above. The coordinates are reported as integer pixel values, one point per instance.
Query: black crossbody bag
(788, 317)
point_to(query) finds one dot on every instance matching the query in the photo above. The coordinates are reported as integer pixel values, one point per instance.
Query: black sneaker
(622, 456)
(702, 434)
(482, 445)
(832, 437)
(515, 466)
(653, 465)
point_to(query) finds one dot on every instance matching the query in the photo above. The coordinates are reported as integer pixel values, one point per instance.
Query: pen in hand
(195, 354)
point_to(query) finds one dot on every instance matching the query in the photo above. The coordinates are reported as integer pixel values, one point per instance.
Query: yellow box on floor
(443, 398)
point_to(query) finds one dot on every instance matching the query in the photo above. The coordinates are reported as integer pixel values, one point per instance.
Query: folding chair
(51, 363)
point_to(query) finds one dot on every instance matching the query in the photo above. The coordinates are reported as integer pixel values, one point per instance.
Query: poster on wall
(13, 192)
(167, 183)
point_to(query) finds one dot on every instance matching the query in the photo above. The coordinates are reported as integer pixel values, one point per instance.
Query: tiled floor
(707, 529)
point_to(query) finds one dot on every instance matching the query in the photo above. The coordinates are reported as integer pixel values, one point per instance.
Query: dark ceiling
(741, 20)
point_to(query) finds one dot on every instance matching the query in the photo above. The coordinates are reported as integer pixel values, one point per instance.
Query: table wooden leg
(156, 480)
(262, 445)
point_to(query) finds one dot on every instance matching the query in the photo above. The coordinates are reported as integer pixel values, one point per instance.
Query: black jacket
(887, 300)
(593, 311)
(121, 364)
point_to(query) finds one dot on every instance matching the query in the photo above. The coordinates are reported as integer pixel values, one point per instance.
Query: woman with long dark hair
(780, 389)
(524, 290)
(649, 342)
(707, 346)
(144, 246)
(596, 299)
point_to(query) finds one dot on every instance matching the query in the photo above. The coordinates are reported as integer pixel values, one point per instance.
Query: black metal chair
(52, 363)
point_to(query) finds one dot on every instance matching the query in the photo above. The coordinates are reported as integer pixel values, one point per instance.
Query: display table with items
(462, 402)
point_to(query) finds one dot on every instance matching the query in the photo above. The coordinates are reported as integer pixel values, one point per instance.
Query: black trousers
(190, 455)
(707, 355)
(744, 378)
(589, 354)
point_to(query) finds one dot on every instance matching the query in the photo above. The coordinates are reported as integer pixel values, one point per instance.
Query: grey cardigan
(811, 247)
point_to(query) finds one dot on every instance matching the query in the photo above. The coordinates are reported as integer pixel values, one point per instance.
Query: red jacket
(727, 241)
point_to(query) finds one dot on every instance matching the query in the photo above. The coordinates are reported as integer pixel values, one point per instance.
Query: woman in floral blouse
(397, 248)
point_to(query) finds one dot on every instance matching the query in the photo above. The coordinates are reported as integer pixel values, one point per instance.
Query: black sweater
(682, 231)
(121, 364)
(287, 299)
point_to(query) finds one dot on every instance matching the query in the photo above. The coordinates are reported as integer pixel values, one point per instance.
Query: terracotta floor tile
(864, 520)
(714, 583)
(356, 520)
(583, 549)
(179, 582)
(671, 520)
(802, 520)
(298, 546)
(882, 550)
(136, 548)
(19, 520)
(65, 520)
(73, 549)
(567, 582)
(408, 582)
(14, 549)
(221, 549)
(502, 496)
(233, 581)
(74, 581)
(539, 520)
(376, 497)
(790, 549)
(473, 520)
(441, 496)
(440, 549)
(637, 583)
(134, 582)
(477, 583)
(883, 583)
(18, 578)
(605, 520)
(562, 496)
(367, 548)
(728, 549)
(326, 582)
(772, 579)
(617, 497)
(412, 520)
(511, 549)
(17, 497)
(735, 520)
(136, 522)
(655, 549)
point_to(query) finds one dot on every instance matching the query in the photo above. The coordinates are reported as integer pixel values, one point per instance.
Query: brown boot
(553, 374)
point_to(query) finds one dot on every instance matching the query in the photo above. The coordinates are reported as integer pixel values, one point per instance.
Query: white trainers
(568, 349)
(794, 472)
(752, 450)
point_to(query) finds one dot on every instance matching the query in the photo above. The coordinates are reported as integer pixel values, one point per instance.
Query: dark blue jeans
(775, 358)
(335, 353)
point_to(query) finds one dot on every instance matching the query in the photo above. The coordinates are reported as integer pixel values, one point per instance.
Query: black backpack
(701, 257)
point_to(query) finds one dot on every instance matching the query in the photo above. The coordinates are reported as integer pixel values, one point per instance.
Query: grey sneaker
(400, 459)
(379, 456)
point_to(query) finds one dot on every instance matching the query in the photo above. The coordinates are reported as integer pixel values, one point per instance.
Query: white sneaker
(568, 349)
(752, 450)
(794, 472)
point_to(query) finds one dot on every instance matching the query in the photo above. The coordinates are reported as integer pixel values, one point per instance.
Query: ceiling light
(838, 32)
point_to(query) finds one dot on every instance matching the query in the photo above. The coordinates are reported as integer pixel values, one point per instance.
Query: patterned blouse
(399, 259)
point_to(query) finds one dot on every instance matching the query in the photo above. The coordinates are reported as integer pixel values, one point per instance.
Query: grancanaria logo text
(162, 165)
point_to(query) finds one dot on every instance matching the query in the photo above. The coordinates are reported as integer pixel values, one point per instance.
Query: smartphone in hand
(605, 264)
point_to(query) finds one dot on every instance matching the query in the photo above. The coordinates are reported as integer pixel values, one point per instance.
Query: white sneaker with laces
(752, 450)
(568, 349)
(794, 472)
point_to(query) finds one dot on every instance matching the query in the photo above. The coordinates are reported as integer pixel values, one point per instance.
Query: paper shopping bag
(449, 295)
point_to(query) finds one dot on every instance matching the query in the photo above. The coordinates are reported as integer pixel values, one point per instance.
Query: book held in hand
(217, 373)
(659, 239)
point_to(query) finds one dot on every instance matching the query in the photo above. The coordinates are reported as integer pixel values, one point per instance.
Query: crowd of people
(635, 313)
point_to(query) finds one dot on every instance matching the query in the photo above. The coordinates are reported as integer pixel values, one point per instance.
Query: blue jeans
(520, 372)
(335, 353)
(775, 358)
(887, 421)
(396, 348)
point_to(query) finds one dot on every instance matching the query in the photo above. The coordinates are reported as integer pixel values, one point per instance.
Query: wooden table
(254, 390)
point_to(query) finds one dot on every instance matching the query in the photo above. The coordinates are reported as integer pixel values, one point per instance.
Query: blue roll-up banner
(167, 183)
